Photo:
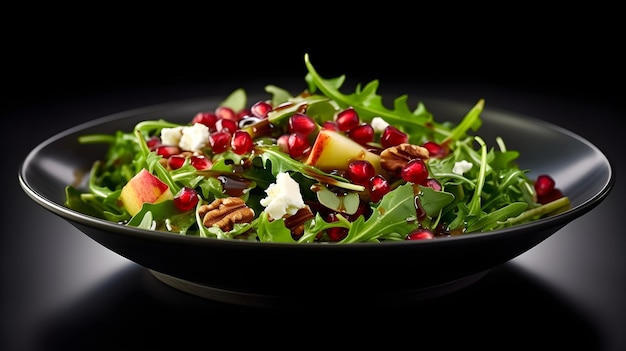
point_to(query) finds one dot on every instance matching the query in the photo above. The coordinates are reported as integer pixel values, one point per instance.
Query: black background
(63, 66)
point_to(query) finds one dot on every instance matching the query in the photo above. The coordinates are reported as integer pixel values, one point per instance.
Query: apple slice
(144, 187)
(333, 151)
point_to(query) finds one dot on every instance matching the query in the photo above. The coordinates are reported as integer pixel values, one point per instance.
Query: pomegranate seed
(167, 150)
(420, 234)
(347, 119)
(393, 136)
(301, 123)
(360, 172)
(379, 187)
(175, 161)
(261, 109)
(330, 125)
(206, 118)
(364, 209)
(362, 134)
(544, 185)
(153, 142)
(186, 199)
(435, 150)
(241, 142)
(200, 162)
(283, 143)
(337, 233)
(549, 197)
(432, 183)
(243, 114)
(415, 171)
(298, 145)
(223, 112)
(219, 141)
(226, 124)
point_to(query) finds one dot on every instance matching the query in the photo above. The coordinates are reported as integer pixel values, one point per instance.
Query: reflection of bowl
(273, 274)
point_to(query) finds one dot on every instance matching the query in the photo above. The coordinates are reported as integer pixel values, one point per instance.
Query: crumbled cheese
(283, 197)
(171, 136)
(194, 138)
(461, 167)
(379, 124)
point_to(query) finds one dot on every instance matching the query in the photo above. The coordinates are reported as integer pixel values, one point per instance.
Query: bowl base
(251, 299)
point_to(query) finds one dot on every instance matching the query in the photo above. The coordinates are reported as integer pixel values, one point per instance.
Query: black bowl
(278, 274)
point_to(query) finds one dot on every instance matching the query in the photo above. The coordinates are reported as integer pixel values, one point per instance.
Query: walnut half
(225, 212)
(394, 158)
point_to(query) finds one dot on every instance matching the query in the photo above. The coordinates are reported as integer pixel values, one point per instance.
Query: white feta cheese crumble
(171, 136)
(283, 197)
(189, 138)
(194, 138)
(379, 124)
(461, 167)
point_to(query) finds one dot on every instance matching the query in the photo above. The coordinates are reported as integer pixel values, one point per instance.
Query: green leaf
(369, 104)
(272, 231)
(395, 214)
(237, 100)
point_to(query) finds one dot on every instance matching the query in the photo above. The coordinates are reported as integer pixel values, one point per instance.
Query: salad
(322, 166)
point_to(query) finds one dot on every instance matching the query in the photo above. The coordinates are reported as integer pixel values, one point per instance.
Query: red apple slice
(144, 187)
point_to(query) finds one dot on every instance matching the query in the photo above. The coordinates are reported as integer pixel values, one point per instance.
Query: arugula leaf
(394, 214)
(369, 104)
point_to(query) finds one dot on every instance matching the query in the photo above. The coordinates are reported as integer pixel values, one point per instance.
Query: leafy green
(493, 193)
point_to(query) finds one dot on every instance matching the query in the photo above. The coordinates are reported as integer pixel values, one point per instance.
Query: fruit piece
(347, 119)
(393, 136)
(186, 199)
(144, 187)
(334, 151)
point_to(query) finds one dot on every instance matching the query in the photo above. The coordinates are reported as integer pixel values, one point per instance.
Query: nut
(394, 158)
(225, 212)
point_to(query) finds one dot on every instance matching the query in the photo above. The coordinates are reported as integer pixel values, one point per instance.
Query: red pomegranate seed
(153, 142)
(283, 143)
(379, 187)
(360, 172)
(167, 150)
(362, 134)
(223, 112)
(330, 125)
(206, 118)
(435, 150)
(544, 185)
(393, 136)
(298, 145)
(200, 162)
(243, 114)
(219, 141)
(337, 233)
(226, 124)
(432, 183)
(549, 197)
(261, 109)
(415, 171)
(420, 234)
(364, 209)
(301, 123)
(175, 161)
(186, 199)
(347, 119)
(241, 142)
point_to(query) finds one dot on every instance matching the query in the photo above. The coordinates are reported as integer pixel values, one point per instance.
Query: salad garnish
(321, 166)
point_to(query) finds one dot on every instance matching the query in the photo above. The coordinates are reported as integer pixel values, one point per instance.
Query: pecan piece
(225, 212)
(394, 158)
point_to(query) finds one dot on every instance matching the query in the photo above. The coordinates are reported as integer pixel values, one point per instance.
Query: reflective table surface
(63, 291)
